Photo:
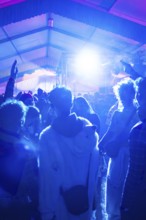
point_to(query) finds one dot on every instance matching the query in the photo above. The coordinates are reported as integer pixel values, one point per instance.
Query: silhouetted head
(12, 115)
(33, 121)
(27, 99)
(81, 106)
(125, 92)
(61, 99)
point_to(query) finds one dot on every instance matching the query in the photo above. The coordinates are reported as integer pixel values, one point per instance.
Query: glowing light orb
(87, 62)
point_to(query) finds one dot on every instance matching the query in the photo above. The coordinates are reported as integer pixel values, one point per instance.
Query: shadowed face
(142, 112)
(141, 98)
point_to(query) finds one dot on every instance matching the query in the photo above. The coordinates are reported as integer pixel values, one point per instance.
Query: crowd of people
(56, 161)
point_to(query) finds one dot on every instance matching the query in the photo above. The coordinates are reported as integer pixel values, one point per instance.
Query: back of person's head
(33, 120)
(32, 112)
(12, 115)
(125, 91)
(61, 99)
(81, 106)
(27, 98)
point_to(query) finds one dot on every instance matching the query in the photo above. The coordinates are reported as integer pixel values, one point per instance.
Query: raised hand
(14, 70)
(127, 67)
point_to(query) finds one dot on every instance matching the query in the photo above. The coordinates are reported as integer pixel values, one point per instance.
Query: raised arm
(9, 91)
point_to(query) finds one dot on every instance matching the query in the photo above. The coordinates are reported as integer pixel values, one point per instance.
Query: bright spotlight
(86, 62)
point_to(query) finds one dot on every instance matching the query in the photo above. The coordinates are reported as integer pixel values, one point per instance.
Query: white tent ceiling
(115, 28)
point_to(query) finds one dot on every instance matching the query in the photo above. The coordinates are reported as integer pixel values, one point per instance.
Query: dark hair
(32, 111)
(12, 114)
(61, 98)
(125, 91)
(81, 106)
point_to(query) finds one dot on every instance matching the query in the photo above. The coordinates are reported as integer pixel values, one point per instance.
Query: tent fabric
(76, 11)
